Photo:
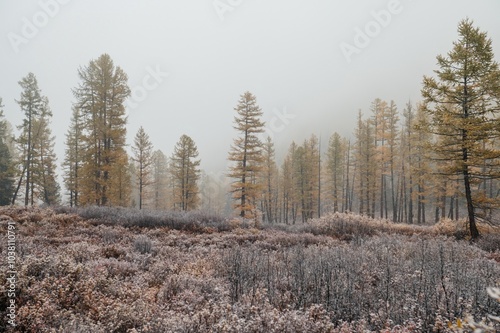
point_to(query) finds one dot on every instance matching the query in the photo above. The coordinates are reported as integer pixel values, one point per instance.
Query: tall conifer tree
(247, 155)
(143, 158)
(100, 97)
(186, 173)
(463, 101)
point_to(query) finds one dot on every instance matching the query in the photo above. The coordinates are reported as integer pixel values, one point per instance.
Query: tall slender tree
(246, 153)
(336, 166)
(407, 158)
(288, 183)
(186, 173)
(270, 179)
(305, 167)
(160, 180)
(463, 101)
(44, 160)
(422, 167)
(36, 144)
(365, 156)
(32, 104)
(143, 158)
(379, 122)
(73, 158)
(100, 97)
(121, 189)
(393, 143)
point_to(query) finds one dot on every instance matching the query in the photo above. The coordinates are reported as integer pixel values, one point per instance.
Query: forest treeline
(418, 163)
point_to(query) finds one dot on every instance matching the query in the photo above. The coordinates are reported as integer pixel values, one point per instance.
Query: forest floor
(122, 270)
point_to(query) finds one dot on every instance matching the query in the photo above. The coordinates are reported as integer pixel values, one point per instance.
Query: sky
(311, 64)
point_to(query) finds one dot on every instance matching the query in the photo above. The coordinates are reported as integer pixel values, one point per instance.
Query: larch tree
(380, 124)
(464, 104)
(143, 158)
(270, 178)
(121, 191)
(36, 145)
(365, 156)
(73, 157)
(32, 104)
(100, 97)
(160, 179)
(336, 166)
(421, 167)
(393, 144)
(185, 168)
(6, 163)
(408, 161)
(407, 157)
(288, 186)
(44, 159)
(306, 169)
(385, 121)
(247, 154)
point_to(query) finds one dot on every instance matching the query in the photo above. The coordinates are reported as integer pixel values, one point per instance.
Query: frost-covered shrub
(112, 252)
(489, 242)
(490, 324)
(82, 251)
(347, 226)
(110, 236)
(86, 275)
(381, 280)
(194, 221)
(143, 244)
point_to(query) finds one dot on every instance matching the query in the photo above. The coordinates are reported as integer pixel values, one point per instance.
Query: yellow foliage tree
(247, 154)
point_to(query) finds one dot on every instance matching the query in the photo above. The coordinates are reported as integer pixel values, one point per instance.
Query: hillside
(117, 270)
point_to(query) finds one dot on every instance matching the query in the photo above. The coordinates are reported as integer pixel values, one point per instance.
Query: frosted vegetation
(122, 270)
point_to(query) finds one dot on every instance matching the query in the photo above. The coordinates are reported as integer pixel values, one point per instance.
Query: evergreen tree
(160, 180)
(186, 173)
(288, 184)
(44, 160)
(421, 167)
(73, 157)
(336, 166)
(120, 192)
(307, 169)
(365, 155)
(270, 179)
(463, 103)
(393, 144)
(407, 158)
(379, 122)
(37, 146)
(32, 104)
(143, 158)
(247, 155)
(100, 98)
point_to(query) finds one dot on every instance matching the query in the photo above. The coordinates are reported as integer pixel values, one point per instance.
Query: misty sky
(189, 60)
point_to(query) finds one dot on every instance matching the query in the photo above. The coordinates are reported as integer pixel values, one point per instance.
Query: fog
(311, 64)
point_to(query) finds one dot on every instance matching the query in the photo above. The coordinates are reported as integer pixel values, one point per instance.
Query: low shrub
(143, 244)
